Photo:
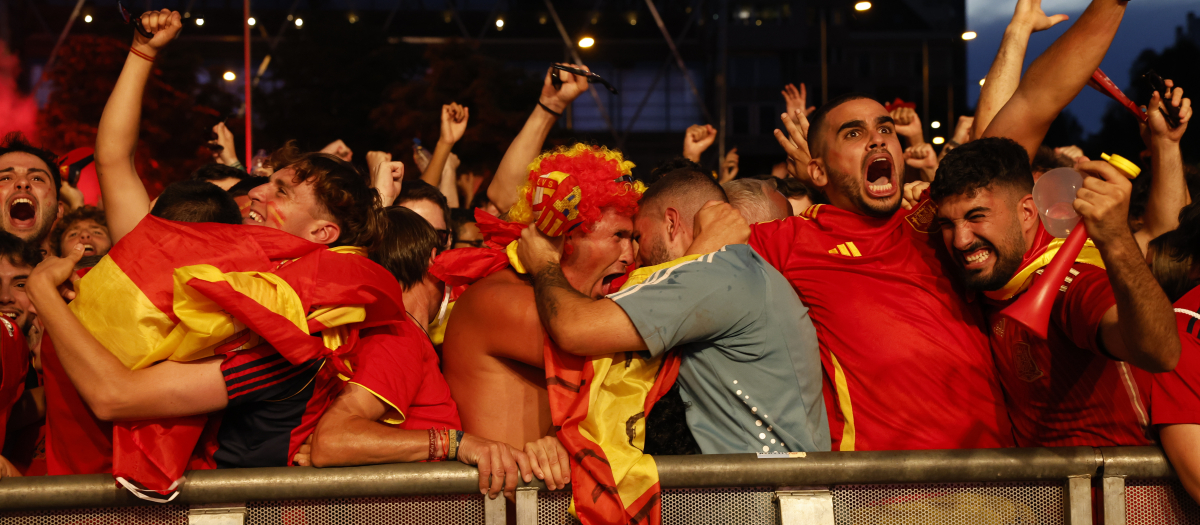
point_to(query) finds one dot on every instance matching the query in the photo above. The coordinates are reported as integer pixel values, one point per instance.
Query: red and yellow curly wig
(602, 174)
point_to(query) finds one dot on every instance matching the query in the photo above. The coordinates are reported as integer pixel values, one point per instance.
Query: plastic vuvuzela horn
(1100, 82)
(1053, 195)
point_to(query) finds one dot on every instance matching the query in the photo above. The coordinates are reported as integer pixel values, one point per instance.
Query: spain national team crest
(1024, 362)
(555, 200)
(924, 217)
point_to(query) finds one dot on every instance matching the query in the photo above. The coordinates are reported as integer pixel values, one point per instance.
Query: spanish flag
(600, 404)
(186, 291)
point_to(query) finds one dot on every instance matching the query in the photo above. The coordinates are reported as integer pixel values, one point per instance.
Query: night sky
(1147, 24)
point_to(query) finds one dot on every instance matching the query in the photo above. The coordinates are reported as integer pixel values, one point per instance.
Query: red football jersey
(14, 364)
(1063, 391)
(906, 360)
(1175, 395)
(402, 371)
(76, 441)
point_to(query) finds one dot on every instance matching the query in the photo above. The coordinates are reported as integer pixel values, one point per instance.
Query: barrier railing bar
(1077, 500)
(1113, 491)
(701, 471)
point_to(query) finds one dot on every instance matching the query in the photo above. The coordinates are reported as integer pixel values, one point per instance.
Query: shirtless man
(495, 343)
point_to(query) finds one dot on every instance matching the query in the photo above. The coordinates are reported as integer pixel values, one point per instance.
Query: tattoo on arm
(550, 287)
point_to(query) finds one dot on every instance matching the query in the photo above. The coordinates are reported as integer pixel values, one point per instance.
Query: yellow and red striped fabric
(186, 291)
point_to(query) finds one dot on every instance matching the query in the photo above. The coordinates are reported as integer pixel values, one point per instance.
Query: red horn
(1100, 82)
(1032, 309)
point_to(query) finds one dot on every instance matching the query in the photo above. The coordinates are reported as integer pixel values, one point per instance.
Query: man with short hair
(750, 373)
(1074, 388)
(196, 201)
(29, 182)
(429, 203)
(757, 200)
(906, 363)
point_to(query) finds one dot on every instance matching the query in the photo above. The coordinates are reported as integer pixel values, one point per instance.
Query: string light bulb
(499, 24)
(87, 18)
(251, 21)
(969, 35)
(587, 42)
(299, 22)
(229, 76)
(199, 21)
(862, 6)
(938, 140)
(935, 124)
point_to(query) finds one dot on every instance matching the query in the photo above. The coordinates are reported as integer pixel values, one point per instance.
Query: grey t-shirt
(751, 369)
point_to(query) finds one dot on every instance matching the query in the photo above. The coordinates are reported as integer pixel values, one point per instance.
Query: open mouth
(11, 314)
(253, 217)
(880, 178)
(89, 249)
(22, 211)
(606, 284)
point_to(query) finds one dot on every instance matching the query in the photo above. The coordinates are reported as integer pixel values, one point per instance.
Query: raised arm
(125, 199)
(579, 324)
(1168, 188)
(110, 389)
(454, 124)
(1140, 329)
(697, 139)
(1005, 74)
(1056, 77)
(514, 167)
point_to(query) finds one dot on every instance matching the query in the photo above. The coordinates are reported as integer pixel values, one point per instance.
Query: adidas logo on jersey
(848, 249)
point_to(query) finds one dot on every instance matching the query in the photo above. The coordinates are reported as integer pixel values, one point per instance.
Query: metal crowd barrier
(1133, 485)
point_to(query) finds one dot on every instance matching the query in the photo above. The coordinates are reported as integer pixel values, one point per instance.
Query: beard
(41, 228)
(656, 253)
(851, 185)
(1008, 261)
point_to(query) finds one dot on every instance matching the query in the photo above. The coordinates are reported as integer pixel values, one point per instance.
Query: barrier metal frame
(801, 485)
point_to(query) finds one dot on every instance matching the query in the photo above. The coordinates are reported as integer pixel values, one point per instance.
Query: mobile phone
(1171, 113)
(135, 21)
(592, 77)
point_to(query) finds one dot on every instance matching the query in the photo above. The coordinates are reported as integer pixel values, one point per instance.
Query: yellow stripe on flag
(135, 329)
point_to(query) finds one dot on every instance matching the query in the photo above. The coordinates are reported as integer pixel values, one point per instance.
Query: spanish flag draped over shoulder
(186, 291)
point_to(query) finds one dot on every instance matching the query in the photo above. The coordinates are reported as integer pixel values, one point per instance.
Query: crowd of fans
(308, 313)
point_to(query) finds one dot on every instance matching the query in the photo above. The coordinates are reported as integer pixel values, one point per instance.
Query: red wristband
(141, 54)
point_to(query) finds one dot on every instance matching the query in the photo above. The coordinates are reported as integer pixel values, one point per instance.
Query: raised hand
(908, 125)
(164, 24)
(454, 122)
(386, 176)
(226, 154)
(962, 130)
(922, 157)
(1156, 129)
(572, 86)
(1103, 201)
(338, 149)
(795, 143)
(1029, 15)
(796, 99)
(912, 193)
(729, 167)
(696, 139)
